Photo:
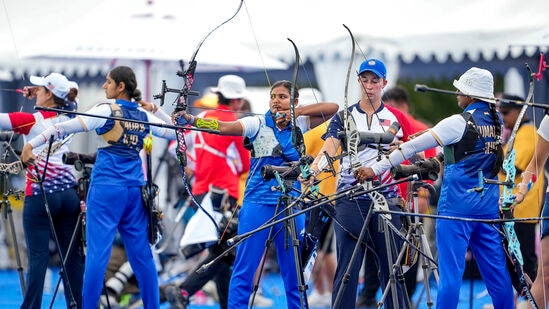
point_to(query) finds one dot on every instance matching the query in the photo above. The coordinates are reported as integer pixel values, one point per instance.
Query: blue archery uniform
(470, 145)
(114, 200)
(463, 160)
(270, 146)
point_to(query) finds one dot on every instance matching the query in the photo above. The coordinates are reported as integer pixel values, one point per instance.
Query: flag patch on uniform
(385, 122)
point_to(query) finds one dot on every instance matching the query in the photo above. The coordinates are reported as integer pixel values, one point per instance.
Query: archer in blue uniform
(472, 142)
(114, 199)
(270, 137)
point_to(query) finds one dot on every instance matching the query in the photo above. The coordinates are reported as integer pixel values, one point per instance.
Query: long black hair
(499, 142)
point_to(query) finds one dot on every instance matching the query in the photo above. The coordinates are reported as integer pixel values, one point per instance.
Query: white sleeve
(90, 122)
(543, 129)
(58, 130)
(448, 131)
(5, 122)
(303, 123)
(161, 114)
(423, 142)
(167, 133)
(250, 125)
(74, 125)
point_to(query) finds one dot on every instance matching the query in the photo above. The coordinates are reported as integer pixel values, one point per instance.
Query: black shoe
(176, 297)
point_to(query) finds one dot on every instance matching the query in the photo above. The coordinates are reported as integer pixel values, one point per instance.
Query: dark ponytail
(125, 74)
(499, 142)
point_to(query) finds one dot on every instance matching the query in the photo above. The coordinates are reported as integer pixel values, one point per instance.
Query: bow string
(297, 138)
(352, 135)
(507, 197)
(182, 104)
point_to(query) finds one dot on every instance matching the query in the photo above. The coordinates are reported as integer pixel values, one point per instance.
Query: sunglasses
(504, 112)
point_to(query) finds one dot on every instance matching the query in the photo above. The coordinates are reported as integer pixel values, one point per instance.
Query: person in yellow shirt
(324, 268)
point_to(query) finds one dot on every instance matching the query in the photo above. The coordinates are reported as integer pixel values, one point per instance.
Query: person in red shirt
(219, 162)
(221, 155)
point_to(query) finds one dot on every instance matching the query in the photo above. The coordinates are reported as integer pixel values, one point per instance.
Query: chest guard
(265, 143)
(466, 146)
(124, 133)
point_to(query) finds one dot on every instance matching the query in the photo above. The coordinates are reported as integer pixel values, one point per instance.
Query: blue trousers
(64, 207)
(453, 238)
(250, 252)
(351, 214)
(110, 208)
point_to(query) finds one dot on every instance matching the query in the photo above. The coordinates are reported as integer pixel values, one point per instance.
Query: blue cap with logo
(375, 66)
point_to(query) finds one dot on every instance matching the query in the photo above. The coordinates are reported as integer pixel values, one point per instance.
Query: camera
(78, 159)
(288, 172)
(117, 282)
(367, 138)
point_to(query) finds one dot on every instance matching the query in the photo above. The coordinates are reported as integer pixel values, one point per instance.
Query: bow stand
(6, 169)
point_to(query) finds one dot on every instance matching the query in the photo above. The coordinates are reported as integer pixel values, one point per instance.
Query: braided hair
(499, 142)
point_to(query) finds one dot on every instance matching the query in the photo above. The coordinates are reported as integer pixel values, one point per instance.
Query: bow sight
(425, 169)
(287, 172)
(367, 138)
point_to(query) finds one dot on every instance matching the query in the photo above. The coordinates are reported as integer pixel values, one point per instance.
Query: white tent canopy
(384, 29)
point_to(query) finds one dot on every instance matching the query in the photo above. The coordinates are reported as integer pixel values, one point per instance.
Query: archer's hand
(309, 180)
(29, 92)
(520, 195)
(181, 118)
(148, 106)
(282, 119)
(364, 173)
(395, 145)
(528, 180)
(27, 157)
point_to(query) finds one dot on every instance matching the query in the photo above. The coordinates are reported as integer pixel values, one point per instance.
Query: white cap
(231, 87)
(309, 96)
(57, 83)
(477, 83)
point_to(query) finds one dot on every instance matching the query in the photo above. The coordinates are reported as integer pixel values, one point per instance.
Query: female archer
(270, 140)
(471, 142)
(114, 199)
(55, 91)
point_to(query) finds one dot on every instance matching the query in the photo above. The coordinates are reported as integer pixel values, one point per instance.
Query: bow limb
(182, 103)
(346, 97)
(297, 141)
(507, 202)
(351, 132)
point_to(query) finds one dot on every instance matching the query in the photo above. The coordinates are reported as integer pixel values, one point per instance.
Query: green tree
(431, 107)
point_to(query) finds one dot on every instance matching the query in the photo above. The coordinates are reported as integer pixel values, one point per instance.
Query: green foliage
(431, 107)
